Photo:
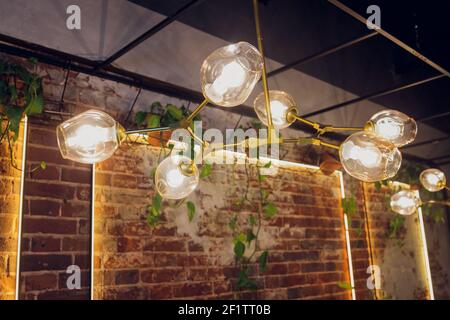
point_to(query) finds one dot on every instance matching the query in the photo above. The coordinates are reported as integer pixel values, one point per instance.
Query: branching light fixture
(406, 202)
(228, 76)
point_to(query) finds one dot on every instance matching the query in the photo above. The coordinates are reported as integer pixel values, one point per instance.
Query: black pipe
(432, 141)
(320, 54)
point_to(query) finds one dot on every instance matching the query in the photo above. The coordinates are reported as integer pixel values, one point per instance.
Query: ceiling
(292, 29)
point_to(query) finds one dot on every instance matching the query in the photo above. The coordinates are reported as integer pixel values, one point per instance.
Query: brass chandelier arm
(196, 111)
(264, 72)
(320, 130)
(308, 140)
(438, 202)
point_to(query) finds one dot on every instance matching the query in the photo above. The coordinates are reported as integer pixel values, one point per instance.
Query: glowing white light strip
(19, 226)
(347, 239)
(425, 250)
(92, 229)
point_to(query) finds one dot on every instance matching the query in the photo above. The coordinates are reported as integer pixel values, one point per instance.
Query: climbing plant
(20, 95)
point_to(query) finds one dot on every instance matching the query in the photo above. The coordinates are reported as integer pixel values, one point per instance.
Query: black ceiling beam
(320, 54)
(392, 38)
(435, 116)
(146, 35)
(440, 158)
(443, 163)
(432, 141)
(373, 95)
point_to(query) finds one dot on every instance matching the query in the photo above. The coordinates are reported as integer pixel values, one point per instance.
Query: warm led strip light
(19, 226)
(92, 231)
(425, 251)
(347, 239)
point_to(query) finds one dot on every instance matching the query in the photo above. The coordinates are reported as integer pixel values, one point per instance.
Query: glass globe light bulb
(89, 137)
(175, 178)
(433, 179)
(404, 202)
(281, 105)
(229, 74)
(394, 126)
(369, 158)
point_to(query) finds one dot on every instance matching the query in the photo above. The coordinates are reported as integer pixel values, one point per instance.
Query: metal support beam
(390, 37)
(441, 157)
(435, 116)
(151, 32)
(320, 54)
(373, 96)
(432, 141)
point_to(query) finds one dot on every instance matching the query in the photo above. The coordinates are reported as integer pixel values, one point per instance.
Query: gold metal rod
(146, 130)
(264, 73)
(307, 122)
(196, 111)
(444, 203)
(329, 145)
(332, 129)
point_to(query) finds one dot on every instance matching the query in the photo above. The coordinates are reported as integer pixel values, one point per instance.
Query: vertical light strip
(425, 250)
(21, 200)
(347, 239)
(92, 230)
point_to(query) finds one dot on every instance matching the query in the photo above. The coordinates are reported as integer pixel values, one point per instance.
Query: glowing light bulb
(229, 74)
(171, 181)
(433, 179)
(281, 104)
(394, 126)
(233, 75)
(89, 137)
(388, 128)
(369, 158)
(175, 178)
(404, 202)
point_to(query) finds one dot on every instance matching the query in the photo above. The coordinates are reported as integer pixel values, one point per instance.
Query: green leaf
(250, 236)
(263, 260)
(270, 210)
(14, 116)
(244, 282)
(153, 120)
(156, 202)
(232, 223)
(378, 186)
(252, 220)
(344, 285)
(261, 177)
(152, 173)
(191, 210)
(268, 164)
(349, 205)
(206, 170)
(152, 219)
(264, 194)
(33, 60)
(139, 117)
(43, 165)
(239, 249)
(35, 106)
(156, 105)
(174, 111)
(240, 237)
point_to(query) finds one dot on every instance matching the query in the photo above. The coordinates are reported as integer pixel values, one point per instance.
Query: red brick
(50, 190)
(45, 281)
(76, 175)
(53, 226)
(45, 244)
(44, 207)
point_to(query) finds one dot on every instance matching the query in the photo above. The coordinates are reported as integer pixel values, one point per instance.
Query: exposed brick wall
(182, 259)
(9, 215)
(400, 258)
(56, 220)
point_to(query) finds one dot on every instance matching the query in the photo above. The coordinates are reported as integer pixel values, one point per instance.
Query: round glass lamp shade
(229, 74)
(89, 137)
(394, 126)
(281, 104)
(175, 178)
(404, 202)
(369, 158)
(433, 180)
